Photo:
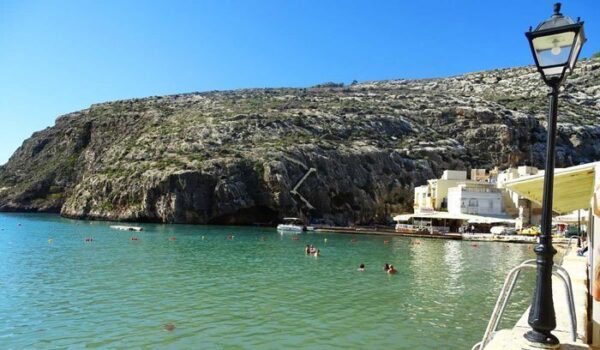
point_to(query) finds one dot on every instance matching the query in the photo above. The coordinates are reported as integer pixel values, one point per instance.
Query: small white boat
(127, 228)
(292, 225)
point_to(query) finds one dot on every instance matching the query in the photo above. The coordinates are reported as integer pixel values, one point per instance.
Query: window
(473, 203)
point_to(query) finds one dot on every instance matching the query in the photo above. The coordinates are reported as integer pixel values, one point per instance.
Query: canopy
(572, 217)
(573, 187)
(441, 215)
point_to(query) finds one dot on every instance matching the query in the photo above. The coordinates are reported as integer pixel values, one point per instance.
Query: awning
(572, 218)
(441, 215)
(573, 187)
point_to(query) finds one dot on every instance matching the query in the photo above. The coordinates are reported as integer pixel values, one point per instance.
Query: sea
(69, 284)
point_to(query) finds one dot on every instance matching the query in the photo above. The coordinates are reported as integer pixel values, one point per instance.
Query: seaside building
(475, 198)
(453, 201)
(434, 195)
(527, 212)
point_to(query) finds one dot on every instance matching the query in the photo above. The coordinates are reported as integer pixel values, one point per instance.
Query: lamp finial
(557, 9)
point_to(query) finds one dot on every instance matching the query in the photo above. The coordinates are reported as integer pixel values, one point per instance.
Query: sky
(60, 56)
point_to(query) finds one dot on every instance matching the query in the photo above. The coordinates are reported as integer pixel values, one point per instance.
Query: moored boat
(127, 228)
(292, 225)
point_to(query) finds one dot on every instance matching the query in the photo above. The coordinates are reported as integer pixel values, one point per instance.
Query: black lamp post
(555, 45)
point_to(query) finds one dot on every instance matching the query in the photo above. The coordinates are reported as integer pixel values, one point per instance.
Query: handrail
(567, 249)
(506, 292)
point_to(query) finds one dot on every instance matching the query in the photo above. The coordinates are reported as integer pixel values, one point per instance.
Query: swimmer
(353, 240)
(392, 270)
(50, 240)
(134, 238)
(295, 238)
(312, 249)
(474, 245)
(169, 327)
(317, 253)
(325, 240)
(361, 268)
(386, 267)
(88, 239)
(386, 242)
(172, 238)
(307, 249)
(202, 237)
(229, 237)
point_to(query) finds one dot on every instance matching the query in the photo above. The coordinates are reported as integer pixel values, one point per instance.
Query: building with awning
(575, 188)
(445, 222)
(443, 215)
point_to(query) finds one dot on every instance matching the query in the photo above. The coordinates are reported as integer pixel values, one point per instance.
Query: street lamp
(555, 45)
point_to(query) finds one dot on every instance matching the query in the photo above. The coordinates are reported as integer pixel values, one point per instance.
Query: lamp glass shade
(554, 51)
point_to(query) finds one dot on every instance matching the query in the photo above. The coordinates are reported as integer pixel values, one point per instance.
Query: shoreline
(477, 237)
(377, 230)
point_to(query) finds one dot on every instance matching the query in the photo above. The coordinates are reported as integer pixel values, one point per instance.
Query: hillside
(232, 157)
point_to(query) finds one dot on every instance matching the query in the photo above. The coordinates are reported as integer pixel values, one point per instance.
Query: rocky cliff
(234, 157)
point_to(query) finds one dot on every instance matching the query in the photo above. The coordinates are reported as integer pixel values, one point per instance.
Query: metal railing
(568, 249)
(507, 290)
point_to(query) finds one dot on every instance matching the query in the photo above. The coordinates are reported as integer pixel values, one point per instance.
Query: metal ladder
(507, 290)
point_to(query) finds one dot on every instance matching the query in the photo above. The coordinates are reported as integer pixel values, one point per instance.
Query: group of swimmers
(387, 268)
(312, 250)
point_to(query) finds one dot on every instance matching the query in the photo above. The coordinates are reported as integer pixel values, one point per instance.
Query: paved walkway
(576, 266)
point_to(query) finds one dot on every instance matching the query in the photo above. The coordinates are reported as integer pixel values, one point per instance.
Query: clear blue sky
(60, 56)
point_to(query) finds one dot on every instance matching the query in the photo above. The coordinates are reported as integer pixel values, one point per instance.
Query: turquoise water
(257, 290)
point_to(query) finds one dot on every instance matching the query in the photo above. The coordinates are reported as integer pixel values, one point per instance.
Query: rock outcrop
(234, 157)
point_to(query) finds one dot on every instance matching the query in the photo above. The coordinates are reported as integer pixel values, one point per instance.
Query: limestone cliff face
(234, 157)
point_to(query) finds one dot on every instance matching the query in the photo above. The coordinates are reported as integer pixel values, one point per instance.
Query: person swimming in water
(317, 252)
(312, 249)
(386, 267)
(392, 270)
(307, 249)
(361, 268)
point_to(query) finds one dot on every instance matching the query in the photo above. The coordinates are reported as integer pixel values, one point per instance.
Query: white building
(434, 195)
(477, 199)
